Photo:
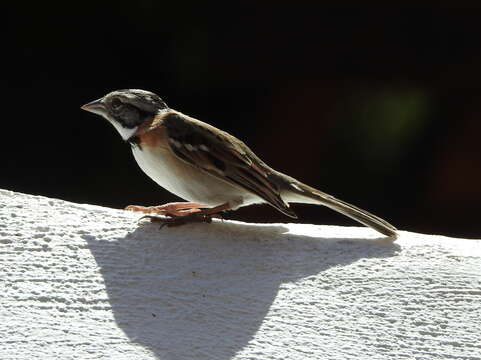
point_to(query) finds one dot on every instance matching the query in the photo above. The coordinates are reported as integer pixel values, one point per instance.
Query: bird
(209, 168)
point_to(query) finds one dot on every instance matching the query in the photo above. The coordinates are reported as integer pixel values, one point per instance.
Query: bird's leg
(175, 209)
(202, 215)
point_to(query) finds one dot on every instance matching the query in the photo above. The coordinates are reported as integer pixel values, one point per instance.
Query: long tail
(298, 192)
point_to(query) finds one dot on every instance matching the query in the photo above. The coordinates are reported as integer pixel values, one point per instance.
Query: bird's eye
(116, 103)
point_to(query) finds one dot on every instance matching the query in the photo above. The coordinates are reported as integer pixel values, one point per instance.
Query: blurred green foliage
(389, 121)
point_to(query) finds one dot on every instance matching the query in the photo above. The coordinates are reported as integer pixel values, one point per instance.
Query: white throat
(124, 132)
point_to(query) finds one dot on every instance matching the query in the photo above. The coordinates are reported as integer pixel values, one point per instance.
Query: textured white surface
(85, 282)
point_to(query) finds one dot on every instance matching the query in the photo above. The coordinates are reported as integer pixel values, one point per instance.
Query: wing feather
(223, 156)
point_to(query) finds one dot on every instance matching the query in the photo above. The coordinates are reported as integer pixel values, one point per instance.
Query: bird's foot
(175, 209)
(179, 220)
(201, 215)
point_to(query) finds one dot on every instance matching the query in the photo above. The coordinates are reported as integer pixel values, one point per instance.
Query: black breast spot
(134, 141)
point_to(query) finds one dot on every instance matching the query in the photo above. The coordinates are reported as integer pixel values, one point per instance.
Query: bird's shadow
(202, 291)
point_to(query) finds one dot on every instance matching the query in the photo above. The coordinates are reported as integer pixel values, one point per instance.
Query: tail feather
(301, 193)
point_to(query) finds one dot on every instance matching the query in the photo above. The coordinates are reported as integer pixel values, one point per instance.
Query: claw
(190, 215)
(179, 220)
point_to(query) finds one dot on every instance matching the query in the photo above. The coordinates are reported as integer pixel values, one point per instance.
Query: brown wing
(223, 156)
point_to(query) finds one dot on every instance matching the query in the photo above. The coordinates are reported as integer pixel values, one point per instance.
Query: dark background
(378, 107)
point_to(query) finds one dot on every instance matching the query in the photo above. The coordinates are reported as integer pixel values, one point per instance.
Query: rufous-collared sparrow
(210, 168)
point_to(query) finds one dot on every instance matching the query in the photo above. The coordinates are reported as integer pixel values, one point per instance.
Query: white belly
(187, 181)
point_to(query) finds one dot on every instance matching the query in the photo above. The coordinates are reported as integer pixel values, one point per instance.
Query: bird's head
(127, 109)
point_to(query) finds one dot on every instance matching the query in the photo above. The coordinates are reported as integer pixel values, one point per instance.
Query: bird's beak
(96, 107)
